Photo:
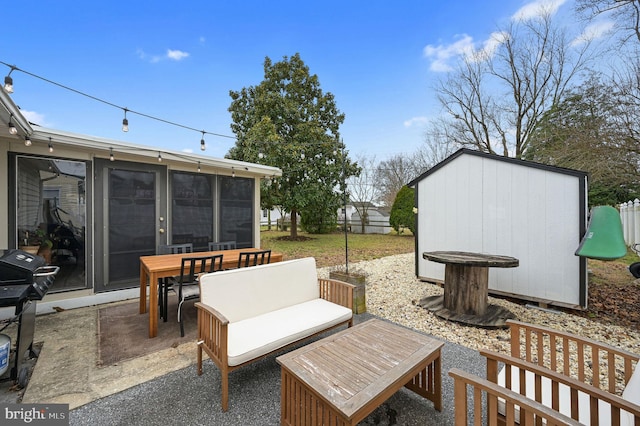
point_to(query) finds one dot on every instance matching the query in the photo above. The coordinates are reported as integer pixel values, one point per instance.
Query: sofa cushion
(604, 408)
(259, 335)
(631, 393)
(243, 293)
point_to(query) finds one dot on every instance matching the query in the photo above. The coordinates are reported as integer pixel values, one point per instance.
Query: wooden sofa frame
(546, 352)
(531, 412)
(556, 379)
(532, 343)
(213, 331)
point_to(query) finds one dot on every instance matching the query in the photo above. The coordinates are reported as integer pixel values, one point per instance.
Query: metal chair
(254, 258)
(162, 282)
(187, 284)
(222, 245)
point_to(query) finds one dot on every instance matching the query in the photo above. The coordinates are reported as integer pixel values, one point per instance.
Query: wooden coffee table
(341, 379)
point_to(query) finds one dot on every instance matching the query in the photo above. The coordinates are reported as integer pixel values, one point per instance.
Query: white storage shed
(484, 203)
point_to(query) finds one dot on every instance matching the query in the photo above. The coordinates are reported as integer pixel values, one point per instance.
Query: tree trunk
(294, 224)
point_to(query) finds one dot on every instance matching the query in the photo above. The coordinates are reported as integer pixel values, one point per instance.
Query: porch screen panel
(191, 209)
(236, 210)
(132, 218)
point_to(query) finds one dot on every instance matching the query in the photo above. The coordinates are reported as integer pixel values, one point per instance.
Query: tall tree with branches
(287, 121)
(495, 98)
(625, 13)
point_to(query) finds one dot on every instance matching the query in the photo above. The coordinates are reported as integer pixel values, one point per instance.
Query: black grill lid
(18, 267)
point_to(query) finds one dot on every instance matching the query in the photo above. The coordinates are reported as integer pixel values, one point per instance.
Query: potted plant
(357, 277)
(39, 243)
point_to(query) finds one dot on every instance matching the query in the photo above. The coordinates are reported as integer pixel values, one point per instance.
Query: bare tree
(626, 14)
(438, 144)
(363, 188)
(393, 174)
(495, 98)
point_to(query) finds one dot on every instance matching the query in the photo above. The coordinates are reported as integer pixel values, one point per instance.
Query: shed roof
(516, 161)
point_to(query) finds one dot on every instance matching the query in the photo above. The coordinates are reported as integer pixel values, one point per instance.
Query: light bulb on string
(203, 145)
(111, 158)
(125, 122)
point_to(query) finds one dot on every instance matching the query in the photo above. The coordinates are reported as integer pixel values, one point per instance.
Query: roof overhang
(102, 147)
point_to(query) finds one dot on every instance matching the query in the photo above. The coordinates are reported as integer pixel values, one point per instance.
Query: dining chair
(222, 245)
(162, 282)
(187, 284)
(253, 258)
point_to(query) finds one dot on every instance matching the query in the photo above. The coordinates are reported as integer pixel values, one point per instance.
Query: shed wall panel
(483, 205)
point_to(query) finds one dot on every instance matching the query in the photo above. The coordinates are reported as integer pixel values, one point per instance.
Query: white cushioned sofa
(589, 381)
(245, 314)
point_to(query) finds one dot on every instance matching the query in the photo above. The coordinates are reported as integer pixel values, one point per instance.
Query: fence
(630, 217)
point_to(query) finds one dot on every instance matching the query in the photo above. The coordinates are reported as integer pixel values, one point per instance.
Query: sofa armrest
(212, 335)
(529, 410)
(551, 348)
(547, 381)
(338, 292)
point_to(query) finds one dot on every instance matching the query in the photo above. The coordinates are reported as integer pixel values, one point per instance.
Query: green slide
(604, 239)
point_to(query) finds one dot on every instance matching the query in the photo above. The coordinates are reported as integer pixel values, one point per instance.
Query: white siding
(480, 204)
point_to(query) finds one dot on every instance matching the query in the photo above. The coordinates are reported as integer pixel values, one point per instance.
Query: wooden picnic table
(155, 267)
(466, 283)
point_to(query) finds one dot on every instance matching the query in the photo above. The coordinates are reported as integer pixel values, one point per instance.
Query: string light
(198, 167)
(203, 145)
(8, 81)
(111, 154)
(159, 157)
(233, 172)
(27, 141)
(125, 122)
(50, 146)
(12, 128)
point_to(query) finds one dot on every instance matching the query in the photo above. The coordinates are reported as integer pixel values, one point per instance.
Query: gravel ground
(393, 292)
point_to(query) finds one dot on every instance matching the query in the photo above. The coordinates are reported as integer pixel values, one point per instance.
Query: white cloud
(415, 120)
(537, 8)
(176, 55)
(187, 150)
(441, 55)
(173, 55)
(35, 117)
(593, 32)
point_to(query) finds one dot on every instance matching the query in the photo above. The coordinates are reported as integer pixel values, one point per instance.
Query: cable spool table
(466, 288)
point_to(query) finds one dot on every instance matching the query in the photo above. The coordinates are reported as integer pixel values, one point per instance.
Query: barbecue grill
(24, 279)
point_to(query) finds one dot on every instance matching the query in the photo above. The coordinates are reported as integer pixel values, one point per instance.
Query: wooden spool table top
(471, 259)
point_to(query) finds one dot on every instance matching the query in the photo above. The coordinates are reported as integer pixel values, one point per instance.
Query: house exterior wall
(10, 146)
(376, 223)
(477, 203)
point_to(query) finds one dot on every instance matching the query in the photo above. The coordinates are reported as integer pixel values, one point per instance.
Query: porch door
(133, 221)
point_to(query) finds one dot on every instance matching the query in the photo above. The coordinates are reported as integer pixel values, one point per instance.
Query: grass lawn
(329, 249)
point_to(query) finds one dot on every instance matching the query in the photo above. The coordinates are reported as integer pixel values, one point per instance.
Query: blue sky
(178, 60)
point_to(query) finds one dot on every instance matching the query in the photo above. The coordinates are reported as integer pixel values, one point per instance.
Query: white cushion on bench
(631, 393)
(243, 293)
(256, 336)
(584, 414)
